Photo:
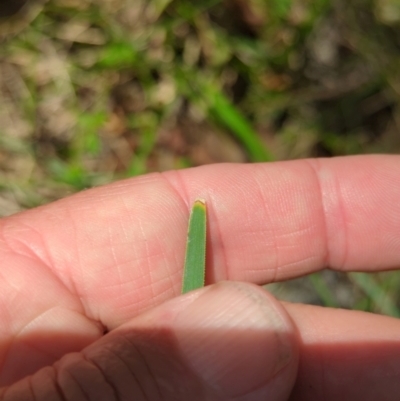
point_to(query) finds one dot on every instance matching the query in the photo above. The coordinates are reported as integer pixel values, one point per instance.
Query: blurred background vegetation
(96, 90)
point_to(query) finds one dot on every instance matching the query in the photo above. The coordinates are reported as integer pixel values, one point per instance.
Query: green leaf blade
(195, 260)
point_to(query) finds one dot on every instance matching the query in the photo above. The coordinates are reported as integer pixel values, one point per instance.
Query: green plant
(195, 260)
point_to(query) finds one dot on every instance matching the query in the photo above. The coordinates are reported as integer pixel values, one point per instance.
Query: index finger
(121, 247)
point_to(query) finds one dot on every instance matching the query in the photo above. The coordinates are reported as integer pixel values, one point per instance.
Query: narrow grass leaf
(227, 114)
(195, 260)
(323, 290)
(381, 300)
(224, 112)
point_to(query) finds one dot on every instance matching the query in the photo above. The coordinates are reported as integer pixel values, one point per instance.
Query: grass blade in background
(228, 115)
(380, 298)
(218, 106)
(323, 290)
(195, 260)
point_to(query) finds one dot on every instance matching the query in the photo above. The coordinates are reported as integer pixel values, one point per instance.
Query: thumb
(229, 341)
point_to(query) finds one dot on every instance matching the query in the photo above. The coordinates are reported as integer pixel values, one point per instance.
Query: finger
(346, 355)
(228, 341)
(120, 248)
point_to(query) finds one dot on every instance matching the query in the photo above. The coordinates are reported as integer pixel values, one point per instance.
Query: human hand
(110, 260)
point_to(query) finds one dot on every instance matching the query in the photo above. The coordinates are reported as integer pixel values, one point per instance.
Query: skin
(99, 274)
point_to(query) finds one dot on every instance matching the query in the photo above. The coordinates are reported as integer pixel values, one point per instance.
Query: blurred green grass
(92, 91)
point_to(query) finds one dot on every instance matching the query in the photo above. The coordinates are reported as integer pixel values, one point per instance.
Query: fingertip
(240, 341)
